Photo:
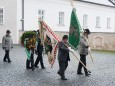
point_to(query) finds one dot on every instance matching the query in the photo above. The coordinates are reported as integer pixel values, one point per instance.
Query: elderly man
(83, 51)
(7, 46)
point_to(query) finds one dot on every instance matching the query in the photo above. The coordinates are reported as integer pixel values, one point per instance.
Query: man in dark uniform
(63, 56)
(39, 52)
(83, 51)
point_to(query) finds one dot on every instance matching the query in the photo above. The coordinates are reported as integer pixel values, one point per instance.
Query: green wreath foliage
(27, 35)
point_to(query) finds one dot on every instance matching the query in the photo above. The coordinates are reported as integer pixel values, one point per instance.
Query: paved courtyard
(15, 73)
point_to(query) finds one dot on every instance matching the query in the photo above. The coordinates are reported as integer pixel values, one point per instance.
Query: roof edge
(95, 3)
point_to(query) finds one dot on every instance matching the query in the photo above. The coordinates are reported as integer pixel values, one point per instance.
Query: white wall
(52, 8)
(93, 11)
(9, 19)
(13, 15)
(51, 13)
(19, 14)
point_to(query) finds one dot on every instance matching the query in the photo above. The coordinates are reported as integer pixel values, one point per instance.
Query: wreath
(28, 39)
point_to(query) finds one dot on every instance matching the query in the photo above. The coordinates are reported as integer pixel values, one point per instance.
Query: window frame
(108, 23)
(61, 18)
(41, 14)
(85, 21)
(1, 8)
(98, 22)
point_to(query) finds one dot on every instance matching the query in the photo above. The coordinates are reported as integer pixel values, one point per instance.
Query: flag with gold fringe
(50, 40)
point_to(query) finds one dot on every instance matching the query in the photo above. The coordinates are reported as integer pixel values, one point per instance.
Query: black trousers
(30, 62)
(62, 67)
(83, 59)
(6, 57)
(39, 59)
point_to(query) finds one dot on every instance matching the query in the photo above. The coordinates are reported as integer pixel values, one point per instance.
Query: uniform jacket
(39, 45)
(83, 49)
(7, 42)
(63, 52)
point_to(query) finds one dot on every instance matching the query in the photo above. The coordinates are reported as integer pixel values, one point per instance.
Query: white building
(98, 15)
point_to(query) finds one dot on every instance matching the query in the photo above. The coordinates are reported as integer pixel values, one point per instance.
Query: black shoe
(89, 71)
(59, 73)
(36, 66)
(87, 75)
(9, 61)
(80, 73)
(4, 61)
(28, 68)
(43, 67)
(33, 69)
(63, 78)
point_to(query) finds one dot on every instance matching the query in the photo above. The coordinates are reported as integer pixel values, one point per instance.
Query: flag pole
(72, 3)
(73, 52)
(40, 28)
(81, 62)
(90, 52)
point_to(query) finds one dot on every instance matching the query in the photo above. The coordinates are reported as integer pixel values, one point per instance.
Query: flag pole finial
(72, 4)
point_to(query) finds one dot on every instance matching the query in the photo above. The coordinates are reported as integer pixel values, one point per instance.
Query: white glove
(70, 49)
(89, 49)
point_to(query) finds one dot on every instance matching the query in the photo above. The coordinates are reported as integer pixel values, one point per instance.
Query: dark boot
(87, 74)
(59, 73)
(28, 64)
(63, 78)
(42, 64)
(80, 73)
(9, 61)
(36, 62)
(4, 59)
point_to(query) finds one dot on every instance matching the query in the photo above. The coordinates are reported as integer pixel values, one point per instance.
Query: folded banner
(50, 42)
(74, 32)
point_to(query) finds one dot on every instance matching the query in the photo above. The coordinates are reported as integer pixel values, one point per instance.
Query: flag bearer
(83, 51)
(63, 57)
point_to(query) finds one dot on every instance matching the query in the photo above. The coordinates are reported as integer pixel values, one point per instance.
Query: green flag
(74, 32)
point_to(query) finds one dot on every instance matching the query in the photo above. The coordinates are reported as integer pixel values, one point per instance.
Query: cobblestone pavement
(15, 73)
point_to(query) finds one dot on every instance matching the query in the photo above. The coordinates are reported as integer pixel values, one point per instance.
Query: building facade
(8, 18)
(56, 13)
(19, 15)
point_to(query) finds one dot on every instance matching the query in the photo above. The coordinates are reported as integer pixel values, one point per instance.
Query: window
(61, 18)
(85, 21)
(41, 14)
(1, 16)
(98, 22)
(108, 22)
